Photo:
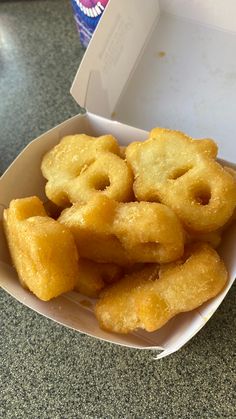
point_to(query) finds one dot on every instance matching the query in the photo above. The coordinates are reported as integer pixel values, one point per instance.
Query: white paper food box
(149, 64)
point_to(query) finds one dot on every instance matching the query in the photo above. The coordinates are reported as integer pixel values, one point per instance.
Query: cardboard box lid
(170, 65)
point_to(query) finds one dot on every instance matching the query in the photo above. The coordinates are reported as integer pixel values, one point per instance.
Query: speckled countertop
(48, 371)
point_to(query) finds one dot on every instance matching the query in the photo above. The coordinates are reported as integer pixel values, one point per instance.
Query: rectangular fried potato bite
(43, 251)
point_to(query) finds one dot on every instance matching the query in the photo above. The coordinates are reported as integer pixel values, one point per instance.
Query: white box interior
(173, 67)
(191, 88)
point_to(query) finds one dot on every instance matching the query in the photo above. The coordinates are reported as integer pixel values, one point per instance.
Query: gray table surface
(48, 371)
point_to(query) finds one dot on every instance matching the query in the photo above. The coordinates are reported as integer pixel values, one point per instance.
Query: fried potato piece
(93, 277)
(231, 171)
(148, 299)
(213, 238)
(110, 272)
(43, 251)
(125, 233)
(181, 172)
(91, 226)
(150, 232)
(80, 167)
(204, 145)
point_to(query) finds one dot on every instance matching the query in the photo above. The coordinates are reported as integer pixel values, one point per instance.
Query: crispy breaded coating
(80, 167)
(213, 237)
(182, 173)
(149, 298)
(43, 251)
(125, 233)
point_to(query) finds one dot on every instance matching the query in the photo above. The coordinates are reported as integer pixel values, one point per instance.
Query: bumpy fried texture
(94, 276)
(149, 298)
(213, 238)
(150, 232)
(91, 225)
(80, 167)
(204, 145)
(233, 173)
(181, 172)
(43, 251)
(125, 233)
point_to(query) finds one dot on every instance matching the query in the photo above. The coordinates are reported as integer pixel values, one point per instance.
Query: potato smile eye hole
(202, 196)
(100, 184)
(179, 172)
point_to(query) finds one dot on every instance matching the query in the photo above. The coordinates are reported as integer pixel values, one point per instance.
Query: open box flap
(119, 41)
(174, 68)
(112, 54)
(71, 309)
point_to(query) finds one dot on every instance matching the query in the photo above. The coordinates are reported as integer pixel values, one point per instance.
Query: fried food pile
(136, 227)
